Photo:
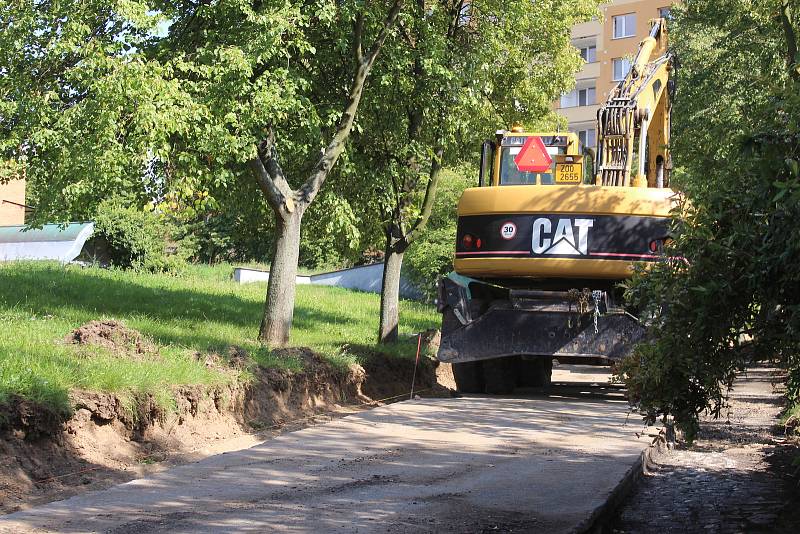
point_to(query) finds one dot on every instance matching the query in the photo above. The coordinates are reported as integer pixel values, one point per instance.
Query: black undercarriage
(522, 320)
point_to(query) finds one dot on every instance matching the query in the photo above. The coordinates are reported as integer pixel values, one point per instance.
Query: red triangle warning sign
(533, 157)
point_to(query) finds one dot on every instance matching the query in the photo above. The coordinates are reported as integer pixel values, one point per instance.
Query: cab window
(510, 175)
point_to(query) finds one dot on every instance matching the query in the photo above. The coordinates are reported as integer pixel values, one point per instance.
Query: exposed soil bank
(105, 442)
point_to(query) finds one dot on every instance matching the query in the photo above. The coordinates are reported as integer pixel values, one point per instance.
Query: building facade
(608, 47)
(12, 203)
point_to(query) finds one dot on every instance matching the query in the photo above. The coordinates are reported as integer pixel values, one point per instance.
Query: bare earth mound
(120, 340)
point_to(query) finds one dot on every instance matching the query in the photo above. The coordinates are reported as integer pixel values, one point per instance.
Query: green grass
(201, 310)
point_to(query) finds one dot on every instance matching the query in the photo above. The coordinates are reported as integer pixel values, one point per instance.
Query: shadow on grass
(55, 290)
(74, 293)
(85, 296)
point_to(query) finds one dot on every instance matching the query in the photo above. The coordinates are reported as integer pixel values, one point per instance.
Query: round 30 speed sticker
(508, 230)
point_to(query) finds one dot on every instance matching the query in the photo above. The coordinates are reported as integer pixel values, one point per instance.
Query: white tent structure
(51, 242)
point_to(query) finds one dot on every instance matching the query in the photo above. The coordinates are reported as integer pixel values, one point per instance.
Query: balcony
(587, 29)
(580, 113)
(590, 71)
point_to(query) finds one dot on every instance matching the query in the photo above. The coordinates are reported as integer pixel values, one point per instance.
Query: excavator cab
(508, 159)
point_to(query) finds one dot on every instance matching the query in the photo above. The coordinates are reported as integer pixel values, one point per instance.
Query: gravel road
(470, 464)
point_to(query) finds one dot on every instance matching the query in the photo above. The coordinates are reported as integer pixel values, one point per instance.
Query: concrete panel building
(608, 46)
(12, 203)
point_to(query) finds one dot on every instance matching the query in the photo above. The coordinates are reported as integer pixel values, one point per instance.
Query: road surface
(530, 463)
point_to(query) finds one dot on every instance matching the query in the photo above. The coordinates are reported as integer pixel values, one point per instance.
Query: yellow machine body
(624, 218)
(543, 241)
(574, 200)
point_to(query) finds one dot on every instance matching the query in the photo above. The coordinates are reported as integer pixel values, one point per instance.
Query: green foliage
(233, 229)
(432, 254)
(136, 239)
(429, 257)
(214, 240)
(80, 111)
(331, 234)
(450, 77)
(737, 139)
(166, 103)
(164, 99)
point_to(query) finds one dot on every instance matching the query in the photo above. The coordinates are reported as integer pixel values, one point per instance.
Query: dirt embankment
(109, 439)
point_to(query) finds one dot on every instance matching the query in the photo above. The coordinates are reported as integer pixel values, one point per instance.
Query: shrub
(130, 238)
(430, 257)
(735, 296)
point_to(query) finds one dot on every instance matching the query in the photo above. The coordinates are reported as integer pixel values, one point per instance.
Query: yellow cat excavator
(542, 243)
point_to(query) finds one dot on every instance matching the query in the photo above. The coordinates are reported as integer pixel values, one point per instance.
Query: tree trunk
(289, 205)
(279, 307)
(390, 294)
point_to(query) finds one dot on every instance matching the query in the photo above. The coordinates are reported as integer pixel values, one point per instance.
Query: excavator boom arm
(634, 123)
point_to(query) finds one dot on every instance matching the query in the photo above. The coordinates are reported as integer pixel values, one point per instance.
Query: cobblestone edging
(604, 514)
(732, 479)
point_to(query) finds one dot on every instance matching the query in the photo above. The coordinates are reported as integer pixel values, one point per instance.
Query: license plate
(569, 173)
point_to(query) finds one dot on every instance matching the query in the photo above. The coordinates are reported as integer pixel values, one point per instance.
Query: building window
(587, 138)
(621, 66)
(569, 100)
(624, 26)
(586, 96)
(578, 97)
(665, 13)
(589, 54)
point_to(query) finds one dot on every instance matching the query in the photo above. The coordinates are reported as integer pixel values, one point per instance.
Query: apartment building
(608, 47)
(12, 203)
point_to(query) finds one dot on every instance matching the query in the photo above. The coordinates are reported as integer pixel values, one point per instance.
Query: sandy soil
(477, 463)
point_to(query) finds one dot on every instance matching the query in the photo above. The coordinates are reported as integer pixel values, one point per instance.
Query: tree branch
(391, 17)
(358, 37)
(791, 41)
(270, 178)
(319, 173)
(455, 17)
(267, 186)
(430, 196)
(268, 154)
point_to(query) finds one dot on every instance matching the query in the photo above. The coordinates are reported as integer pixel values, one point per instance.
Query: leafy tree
(176, 97)
(66, 85)
(736, 137)
(281, 82)
(454, 72)
(432, 254)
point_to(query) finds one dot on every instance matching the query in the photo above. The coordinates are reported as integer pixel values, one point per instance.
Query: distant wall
(246, 275)
(12, 200)
(365, 278)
